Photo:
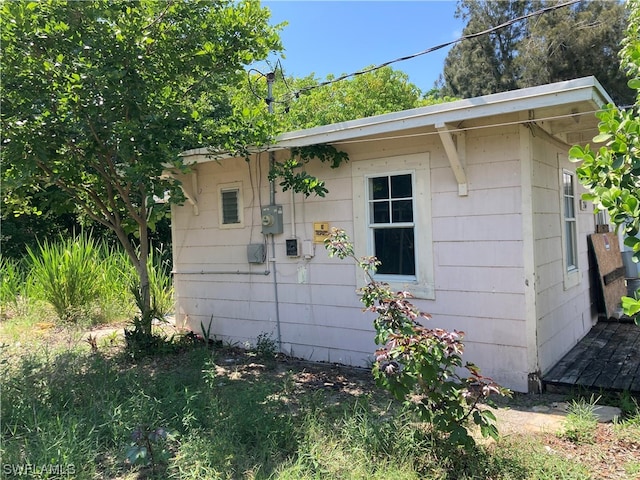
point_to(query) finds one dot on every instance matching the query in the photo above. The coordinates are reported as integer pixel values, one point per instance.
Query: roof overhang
(565, 110)
(583, 95)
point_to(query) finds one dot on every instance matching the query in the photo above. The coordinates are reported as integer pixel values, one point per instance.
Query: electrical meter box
(272, 219)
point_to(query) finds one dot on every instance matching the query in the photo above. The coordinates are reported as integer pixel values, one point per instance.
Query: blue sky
(336, 37)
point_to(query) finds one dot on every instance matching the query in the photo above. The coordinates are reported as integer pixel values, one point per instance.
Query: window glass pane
(378, 188)
(568, 208)
(568, 184)
(230, 207)
(570, 240)
(380, 212)
(401, 186)
(402, 210)
(395, 247)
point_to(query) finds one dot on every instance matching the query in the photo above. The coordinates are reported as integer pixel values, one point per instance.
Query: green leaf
(631, 241)
(576, 153)
(603, 137)
(630, 306)
(634, 83)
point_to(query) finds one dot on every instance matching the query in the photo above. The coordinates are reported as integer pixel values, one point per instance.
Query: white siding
(564, 314)
(477, 258)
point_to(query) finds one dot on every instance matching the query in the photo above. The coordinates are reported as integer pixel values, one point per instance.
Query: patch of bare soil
(610, 456)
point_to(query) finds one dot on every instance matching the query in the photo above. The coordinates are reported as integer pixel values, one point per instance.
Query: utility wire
(508, 23)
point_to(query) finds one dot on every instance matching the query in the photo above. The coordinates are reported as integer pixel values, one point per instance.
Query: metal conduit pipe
(222, 272)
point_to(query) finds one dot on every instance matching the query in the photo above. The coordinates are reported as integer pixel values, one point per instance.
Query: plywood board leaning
(610, 270)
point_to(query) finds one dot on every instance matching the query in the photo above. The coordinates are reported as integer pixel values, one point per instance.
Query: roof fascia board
(584, 89)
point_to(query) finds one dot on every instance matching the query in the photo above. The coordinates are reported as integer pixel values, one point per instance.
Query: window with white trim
(569, 197)
(391, 223)
(230, 205)
(392, 220)
(569, 228)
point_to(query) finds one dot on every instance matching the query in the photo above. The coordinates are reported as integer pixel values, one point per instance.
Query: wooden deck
(607, 359)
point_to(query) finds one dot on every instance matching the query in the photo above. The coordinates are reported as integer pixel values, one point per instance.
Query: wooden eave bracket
(189, 186)
(455, 151)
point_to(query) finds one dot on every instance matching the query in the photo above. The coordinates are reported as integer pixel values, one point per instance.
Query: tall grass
(67, 274)
(72, 407)
(14, 287)
(160, 283)
(84, 281)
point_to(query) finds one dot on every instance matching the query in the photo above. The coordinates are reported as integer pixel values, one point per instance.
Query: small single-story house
(472, 206)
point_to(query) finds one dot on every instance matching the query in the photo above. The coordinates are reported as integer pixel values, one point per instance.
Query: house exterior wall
(475, 249)
(478, 254)
(563, 307)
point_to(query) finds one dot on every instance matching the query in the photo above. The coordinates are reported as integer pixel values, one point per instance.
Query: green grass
(79, 280)
(233, 418)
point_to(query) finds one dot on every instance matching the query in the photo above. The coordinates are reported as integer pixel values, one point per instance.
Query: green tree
(574, 42)
(611, 172)
(569, 42)
(487, 63)
(308, 102)
(98, 97)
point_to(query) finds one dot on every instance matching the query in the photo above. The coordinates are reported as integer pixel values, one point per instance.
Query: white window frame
(571, 271)
(231, 187)
(375, 226)
(422, 284)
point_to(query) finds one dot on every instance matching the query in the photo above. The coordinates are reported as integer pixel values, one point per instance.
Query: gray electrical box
(272, 219)
(256, 253)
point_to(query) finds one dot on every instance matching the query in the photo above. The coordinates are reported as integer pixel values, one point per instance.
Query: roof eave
(586, 89)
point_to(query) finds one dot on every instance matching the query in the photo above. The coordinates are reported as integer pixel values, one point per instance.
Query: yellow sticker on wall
(320, 231)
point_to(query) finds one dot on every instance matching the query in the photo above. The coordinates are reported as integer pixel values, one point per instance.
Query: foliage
(99, 97)
(581, 422)
(150, 446)
(611, 172)
(13, 284)
(570, 42)
(576, 41)
(300, 103)
(85, 280)
(293, 177)
(307, 102)
(67, 272)
(71, 407)
(419, 365)
(266, 346)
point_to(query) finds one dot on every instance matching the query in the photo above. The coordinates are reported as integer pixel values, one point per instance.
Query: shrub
(419, 365)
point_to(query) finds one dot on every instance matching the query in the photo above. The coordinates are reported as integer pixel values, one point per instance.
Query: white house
(472, 206)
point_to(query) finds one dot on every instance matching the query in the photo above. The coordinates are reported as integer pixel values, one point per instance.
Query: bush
(419, 365)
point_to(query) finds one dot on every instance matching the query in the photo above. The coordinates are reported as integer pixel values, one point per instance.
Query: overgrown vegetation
(418, 365)
(207, 413)
(79, 280)
(581, 422)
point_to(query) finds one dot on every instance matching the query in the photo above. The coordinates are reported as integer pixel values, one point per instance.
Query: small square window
(230, 208)
(230, 212)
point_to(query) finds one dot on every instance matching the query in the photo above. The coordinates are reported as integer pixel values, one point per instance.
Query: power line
(508, 23)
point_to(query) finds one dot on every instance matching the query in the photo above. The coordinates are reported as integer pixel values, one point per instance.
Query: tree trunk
(143, 274)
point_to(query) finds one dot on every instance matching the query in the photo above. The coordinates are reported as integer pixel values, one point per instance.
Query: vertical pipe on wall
(271, 76)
